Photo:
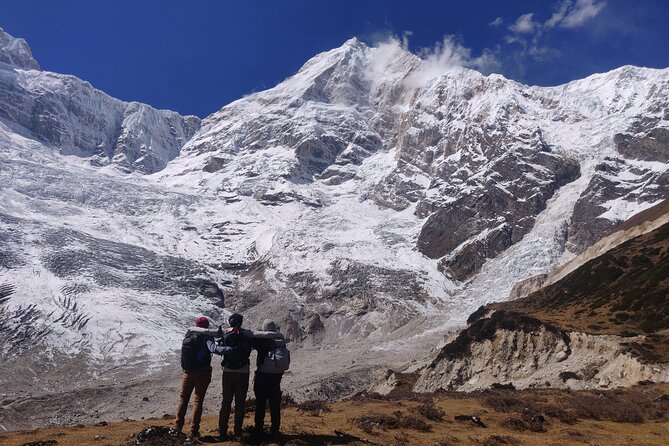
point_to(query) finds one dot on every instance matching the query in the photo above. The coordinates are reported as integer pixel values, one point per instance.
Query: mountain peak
(353, 41)
(15, 51)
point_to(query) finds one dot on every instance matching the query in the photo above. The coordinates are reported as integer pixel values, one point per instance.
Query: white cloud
(497, 22)
(583, 11)
(525, 24)
(575, 14)
(558, 15)
(529, 33)
(386, 53)
(446, 55)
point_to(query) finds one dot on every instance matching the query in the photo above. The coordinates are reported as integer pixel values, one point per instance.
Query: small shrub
(501, 403)
(368, 422)
(431, 412)
(497, 440)
(411, 422)
(560, 414)
(516, 424)
(566, 376)
(537, 426)
(385, 422)
(622, 315)
(649, 326)
(402, 440)
(608, 408)
(314, 407)
(501, 386)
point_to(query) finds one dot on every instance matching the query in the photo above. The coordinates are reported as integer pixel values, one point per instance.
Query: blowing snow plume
(446, 55)
(427, 64)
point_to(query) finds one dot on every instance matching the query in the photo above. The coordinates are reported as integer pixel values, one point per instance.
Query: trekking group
(234, 344)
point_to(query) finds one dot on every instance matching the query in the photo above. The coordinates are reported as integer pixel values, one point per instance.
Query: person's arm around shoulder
(214, 333)
(267, 334)
(219, 349)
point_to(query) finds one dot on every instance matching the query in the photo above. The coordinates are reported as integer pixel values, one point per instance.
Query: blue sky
(196, 56)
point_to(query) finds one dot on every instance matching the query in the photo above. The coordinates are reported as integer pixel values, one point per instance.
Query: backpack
(240, 356)
(277, 359)
(194, 355)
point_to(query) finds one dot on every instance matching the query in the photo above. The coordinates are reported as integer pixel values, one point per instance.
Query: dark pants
(234, 385)
(267, 386)
(198, 381)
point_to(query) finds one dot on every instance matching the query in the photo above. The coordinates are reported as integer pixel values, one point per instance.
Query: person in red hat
(196, 350)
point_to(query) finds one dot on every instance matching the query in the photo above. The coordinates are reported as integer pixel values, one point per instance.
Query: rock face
(650, 146)
(16, 52)
(510, 348)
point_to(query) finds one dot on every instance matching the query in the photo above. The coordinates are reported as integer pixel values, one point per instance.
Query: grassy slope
(638, 416)
(623, 292)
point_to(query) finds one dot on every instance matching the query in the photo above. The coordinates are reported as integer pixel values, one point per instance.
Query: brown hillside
(623, 292)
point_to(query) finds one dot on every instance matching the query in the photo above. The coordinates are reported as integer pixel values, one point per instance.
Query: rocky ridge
(77, 119)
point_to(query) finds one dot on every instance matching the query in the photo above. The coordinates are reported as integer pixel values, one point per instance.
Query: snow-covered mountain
(360, 194)
(72, 116)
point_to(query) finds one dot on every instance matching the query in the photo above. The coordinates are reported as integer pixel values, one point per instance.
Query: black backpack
(194, 354)
(240, 356)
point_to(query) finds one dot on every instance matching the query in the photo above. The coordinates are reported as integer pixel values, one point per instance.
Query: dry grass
(630, 417)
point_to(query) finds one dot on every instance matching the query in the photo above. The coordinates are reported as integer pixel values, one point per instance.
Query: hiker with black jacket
(196, 350)
(273, 359)
(236, 373)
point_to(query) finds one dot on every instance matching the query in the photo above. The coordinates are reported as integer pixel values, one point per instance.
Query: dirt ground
(58, 397)
(637, 416)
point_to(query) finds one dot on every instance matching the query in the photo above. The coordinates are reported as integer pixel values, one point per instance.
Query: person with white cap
(273, 359)
(236, 372)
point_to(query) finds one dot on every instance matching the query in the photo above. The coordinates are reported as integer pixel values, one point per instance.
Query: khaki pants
(234, 385)
(198, 381)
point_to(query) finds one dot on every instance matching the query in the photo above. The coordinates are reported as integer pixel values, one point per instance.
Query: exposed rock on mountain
(511, 348)
(641, 223)
(16, 52)
(602, 325)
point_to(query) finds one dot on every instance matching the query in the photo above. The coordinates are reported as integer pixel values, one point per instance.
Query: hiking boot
(194, 434)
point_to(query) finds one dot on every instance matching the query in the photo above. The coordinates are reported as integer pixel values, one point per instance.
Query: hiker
(196, 350)
(273, 359)
(236, 373)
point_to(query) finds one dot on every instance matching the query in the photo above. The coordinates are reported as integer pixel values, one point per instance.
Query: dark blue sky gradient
(196, 56)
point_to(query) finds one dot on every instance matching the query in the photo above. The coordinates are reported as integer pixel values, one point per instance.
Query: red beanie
(202, 322)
